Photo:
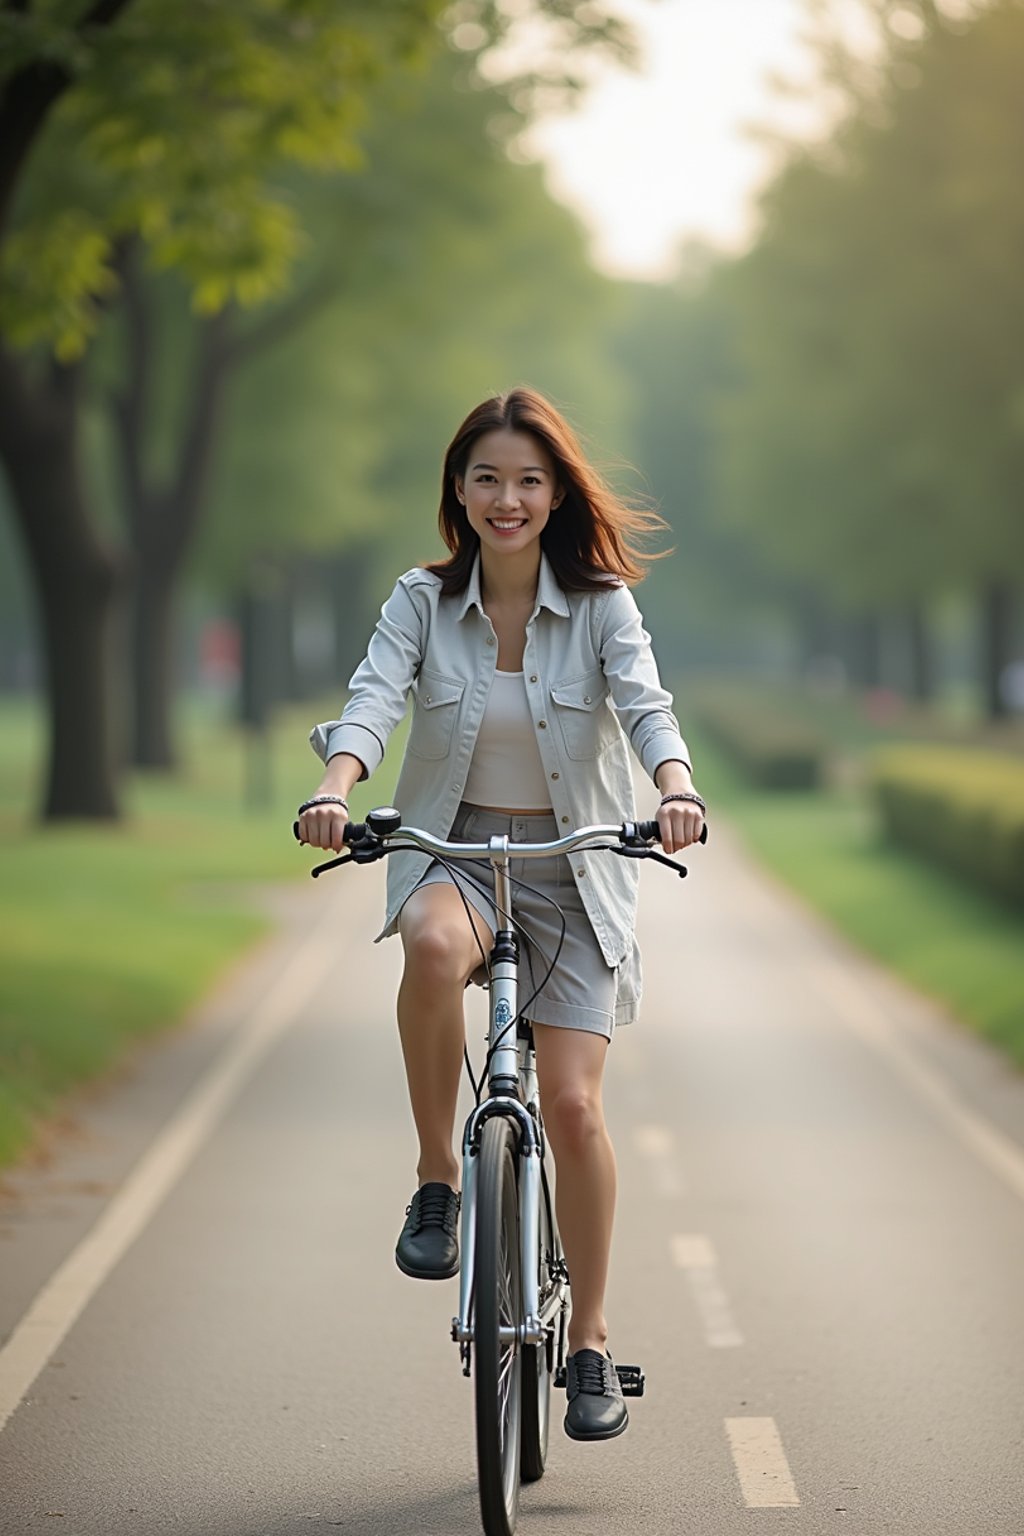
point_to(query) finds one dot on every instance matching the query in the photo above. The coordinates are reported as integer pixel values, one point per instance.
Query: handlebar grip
(650, 829)
(351, 832)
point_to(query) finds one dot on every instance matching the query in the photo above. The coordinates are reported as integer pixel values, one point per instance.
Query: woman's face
(509, 489)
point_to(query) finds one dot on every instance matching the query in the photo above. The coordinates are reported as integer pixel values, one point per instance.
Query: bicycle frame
(512, 1078)
(512, 1092)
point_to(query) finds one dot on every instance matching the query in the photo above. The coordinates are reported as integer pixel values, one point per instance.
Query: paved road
(819, 1258)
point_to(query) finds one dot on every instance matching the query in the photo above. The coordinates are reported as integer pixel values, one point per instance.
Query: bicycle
(514, 1282)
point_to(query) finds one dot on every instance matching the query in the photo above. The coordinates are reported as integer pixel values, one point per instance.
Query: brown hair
(587, 538)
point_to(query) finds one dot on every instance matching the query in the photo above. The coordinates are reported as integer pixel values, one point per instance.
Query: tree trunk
(865, 650)
(162, 519)
(998, 601)
(352, 606)
(78, 580)
(922, 660)
(153, 662)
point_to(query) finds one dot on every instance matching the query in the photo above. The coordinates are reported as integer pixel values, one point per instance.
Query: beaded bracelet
(686, 794)
(321, 800)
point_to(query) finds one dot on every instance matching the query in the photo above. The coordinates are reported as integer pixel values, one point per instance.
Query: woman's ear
(460, 488)
(558, 497)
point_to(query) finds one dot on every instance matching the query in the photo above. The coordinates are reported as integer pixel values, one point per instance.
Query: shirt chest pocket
(582, 714)
(436, 701)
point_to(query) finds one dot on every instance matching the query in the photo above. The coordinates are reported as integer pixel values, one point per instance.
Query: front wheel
(498, 1306)
(538, 1359)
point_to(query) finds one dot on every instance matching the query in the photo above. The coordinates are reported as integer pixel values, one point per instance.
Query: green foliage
(447, 273)
(774, 748)
(879, 320)
(171, 121)
(961, 808)
(944, 937)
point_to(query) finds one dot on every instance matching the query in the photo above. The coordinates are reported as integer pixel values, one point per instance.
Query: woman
(514, 648)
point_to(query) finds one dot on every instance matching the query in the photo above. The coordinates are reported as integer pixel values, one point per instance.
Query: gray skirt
(583, 991)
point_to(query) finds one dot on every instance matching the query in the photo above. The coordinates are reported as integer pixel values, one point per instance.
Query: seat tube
(504, 1070)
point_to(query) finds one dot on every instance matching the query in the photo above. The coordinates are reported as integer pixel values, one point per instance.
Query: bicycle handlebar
(371, 840)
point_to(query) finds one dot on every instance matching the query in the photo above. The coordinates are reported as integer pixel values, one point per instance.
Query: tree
(120, 155)
(161, 124)
(880, 318)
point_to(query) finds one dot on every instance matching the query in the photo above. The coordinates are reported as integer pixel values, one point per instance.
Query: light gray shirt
(592, 684)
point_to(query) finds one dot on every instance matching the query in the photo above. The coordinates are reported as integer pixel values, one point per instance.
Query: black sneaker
(428, 1248)
(596, 1408)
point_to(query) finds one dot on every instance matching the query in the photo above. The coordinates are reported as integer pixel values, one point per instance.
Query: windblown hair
(588, 536)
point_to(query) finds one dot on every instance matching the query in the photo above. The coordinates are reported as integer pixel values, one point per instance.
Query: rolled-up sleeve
(643, 706)
(379, 687)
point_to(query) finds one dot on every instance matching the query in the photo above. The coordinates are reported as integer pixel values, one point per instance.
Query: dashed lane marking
(761, 1464)
(695, 1254)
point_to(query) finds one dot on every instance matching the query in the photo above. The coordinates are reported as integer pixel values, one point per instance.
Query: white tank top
(506, 769)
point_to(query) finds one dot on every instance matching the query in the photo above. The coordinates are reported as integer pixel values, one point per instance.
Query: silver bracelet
(686, 794)
(321, 800)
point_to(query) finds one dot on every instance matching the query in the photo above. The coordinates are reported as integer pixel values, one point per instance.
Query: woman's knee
(438, 951)
(573, 1115)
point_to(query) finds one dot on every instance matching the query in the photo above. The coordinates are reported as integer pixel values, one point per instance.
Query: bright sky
(654, 158)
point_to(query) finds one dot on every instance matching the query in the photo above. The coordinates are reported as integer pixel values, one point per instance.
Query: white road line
(997, 1151)
(695, 1254)
(657, 1143)
(71, 1288)
(761, 1464)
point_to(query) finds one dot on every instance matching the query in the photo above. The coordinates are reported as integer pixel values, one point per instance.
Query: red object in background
(882, 705)
(220, 653)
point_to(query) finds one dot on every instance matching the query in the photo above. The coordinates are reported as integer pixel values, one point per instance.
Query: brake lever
(319, 869)
(649, 853)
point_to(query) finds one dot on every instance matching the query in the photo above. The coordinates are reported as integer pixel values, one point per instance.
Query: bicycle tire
(498, 1364)
(538, 1361)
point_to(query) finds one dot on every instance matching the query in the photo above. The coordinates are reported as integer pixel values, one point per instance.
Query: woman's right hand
(323, 826)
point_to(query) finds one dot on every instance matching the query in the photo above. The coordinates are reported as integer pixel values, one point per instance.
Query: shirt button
(581, 873)
(428, 699)
(543, 724)
(554, 775)
(490, 639)
(586, 698)
(533, 677)
(565, 820)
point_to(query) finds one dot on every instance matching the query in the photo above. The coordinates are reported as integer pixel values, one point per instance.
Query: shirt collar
(549, 593)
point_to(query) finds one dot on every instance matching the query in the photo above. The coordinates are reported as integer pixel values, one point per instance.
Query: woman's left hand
(681, 823)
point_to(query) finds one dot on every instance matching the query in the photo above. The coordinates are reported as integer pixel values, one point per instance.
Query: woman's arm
(644, 708)
(378, 689)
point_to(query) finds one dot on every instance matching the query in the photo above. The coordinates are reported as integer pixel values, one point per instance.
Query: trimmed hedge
(768, 744)
(962, 808)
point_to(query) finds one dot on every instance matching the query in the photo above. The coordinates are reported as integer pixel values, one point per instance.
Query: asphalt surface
(819, 1257)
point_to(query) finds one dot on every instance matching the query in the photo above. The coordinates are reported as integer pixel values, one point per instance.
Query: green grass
(951, 942)
(111, 932)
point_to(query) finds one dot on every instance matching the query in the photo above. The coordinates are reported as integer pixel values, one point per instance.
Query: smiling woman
(530, 669)
(506, 494)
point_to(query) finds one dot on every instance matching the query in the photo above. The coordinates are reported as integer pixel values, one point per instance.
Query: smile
(507, 524)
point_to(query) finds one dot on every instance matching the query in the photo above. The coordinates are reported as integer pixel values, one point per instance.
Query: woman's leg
(441, 954)
(570, 1067)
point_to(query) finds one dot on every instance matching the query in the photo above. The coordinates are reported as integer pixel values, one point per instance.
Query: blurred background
(257, 262)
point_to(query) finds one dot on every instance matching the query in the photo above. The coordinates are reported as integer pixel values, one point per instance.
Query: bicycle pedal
(631, 1379)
